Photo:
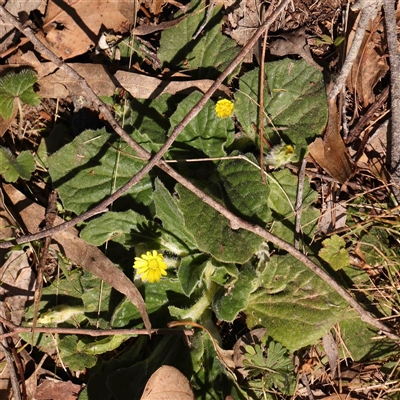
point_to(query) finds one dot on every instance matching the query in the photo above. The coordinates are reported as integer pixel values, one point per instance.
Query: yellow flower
(150, 266)
(224, 108)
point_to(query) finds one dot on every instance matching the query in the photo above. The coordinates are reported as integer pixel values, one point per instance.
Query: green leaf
(148, 120)
(228, 302)
(295, 103)
(211, 380)
(206, 133)
(92, 167)
(109, 343)
(112, 226)
(12, 168)
(191, 271)
(282, 200)
(360, 340)
(175, 234)
(209, 54)
(13, 86)
(157, 296)
(213, 233)
(72, 355)
(334, 252)
(246, 192)
(294, 304)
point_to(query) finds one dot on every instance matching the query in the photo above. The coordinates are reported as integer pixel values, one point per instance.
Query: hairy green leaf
(294, 101)
(282, 201)
(296, 305)
(207, 133)
(112, 226)
(13, 168)
(334, 252)
(209, 54)
(177, 238)
(213, 233)
(246, 192)
(228, 302)
(17, 86)
(92, 167)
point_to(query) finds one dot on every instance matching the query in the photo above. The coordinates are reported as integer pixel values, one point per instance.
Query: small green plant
(325, 39)
(16, 88)
(269, 368)
(14, 167)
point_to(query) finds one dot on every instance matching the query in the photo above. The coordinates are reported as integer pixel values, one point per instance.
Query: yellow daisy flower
(150, 266)
(224, 108)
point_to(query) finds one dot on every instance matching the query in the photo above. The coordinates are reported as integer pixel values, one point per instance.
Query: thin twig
(51, 213)
(16, 330)
(208, 15)
(10, 364)
(393, 146)
(261, 101)
(369, 9)
(299, 203)
(368, 116)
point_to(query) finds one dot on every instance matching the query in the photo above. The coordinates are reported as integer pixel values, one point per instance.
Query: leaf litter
(75, 31)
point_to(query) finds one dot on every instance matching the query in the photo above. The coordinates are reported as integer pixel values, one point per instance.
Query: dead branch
(393, 145)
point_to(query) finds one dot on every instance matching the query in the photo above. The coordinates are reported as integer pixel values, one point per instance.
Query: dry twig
(393, 145)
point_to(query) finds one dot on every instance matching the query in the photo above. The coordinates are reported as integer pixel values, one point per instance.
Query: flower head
(224, 108)
(150, 266)
(280, 155)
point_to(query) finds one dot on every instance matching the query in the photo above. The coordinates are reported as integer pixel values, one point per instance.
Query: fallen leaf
(17, 284)
(332, 352)
(167, 383)
(21, 9)
(78, 251)
(331, 153)
(51, 389)
(370, 66)
(244, 19)
(72, 28)
(6, 122)
(294, 42)
(147, 87)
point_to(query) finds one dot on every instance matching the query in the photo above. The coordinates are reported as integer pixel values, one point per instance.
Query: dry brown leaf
(244, 19)
(72, 28)
(78, 251)
(331, 153)
(294, 42)
(338, 397)
(371, 64)
(332, 352)
(51, 389)
(333, 215)
(21, 9)
(148, 87)
(59, 85)
(17, 284)
(6, 122)
(167, 383)
(55, 83)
